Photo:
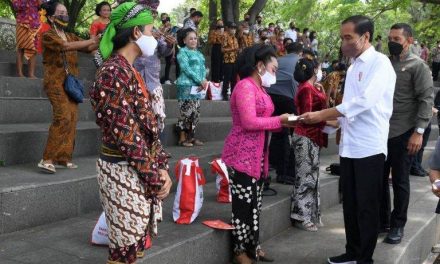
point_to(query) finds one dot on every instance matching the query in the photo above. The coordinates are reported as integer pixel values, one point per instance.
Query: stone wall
(7, 34)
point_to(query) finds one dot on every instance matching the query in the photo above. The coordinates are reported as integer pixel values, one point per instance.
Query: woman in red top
(103, 10)
(306, 143)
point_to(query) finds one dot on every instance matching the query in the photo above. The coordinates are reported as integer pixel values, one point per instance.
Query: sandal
(185, 144)
(306, 226)
(68, 165)
(197, 142)
(47, 167)
(140, 254)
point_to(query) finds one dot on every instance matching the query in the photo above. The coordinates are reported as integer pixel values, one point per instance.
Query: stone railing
(7, 34)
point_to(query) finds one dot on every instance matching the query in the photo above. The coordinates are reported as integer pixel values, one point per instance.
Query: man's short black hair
(197, 14)
(362, 25)
(294, 47)
(305, 30)
(407, 30)
(192, 9)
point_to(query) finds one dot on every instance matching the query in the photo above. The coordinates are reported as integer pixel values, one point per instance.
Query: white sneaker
(168, 82)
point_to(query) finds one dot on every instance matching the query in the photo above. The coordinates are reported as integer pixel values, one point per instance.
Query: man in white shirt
(364, 117)
(291, 32)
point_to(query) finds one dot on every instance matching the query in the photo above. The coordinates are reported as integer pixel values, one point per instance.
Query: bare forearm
(78, 45)
(330, 114)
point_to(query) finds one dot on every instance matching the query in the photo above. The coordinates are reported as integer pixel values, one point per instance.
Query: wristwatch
(420, 130)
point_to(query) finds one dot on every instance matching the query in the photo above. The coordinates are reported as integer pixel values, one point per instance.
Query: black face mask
(164, 21)
(395, 48)
(263, 37)
(220, 27)
(246, 19)
(61, 21)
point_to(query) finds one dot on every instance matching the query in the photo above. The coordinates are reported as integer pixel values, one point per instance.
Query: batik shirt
(27, 12)
(229, 42)
(126, 118)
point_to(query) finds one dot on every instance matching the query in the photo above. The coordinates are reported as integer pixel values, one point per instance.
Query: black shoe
(342, 259)
(419, 173)
(394, 236)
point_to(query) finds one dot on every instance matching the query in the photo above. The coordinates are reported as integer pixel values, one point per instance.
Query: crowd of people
(284, 96)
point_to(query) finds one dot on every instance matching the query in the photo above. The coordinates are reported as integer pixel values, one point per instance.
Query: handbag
(73, 87)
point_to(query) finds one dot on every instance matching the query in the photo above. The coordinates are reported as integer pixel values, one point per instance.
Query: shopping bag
(100, 232)
(218, 167)
(215, 91)
(188, 199)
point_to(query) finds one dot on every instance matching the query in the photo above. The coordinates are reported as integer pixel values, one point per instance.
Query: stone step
(422, 231)
(15, 110)
(10, 69)
(193, 243)
(84, 59)
(24, 143)
(30, 88)
(42, 198)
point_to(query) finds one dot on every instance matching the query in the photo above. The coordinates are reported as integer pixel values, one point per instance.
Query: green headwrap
(125, 15)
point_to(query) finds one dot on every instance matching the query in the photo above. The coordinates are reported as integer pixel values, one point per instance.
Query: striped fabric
(26, 40)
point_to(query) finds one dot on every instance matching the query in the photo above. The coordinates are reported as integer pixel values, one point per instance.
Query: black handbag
(334, 169)
(73, 87)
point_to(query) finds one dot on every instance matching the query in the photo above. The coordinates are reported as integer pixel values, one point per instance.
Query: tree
(74, 8)
(256, 9)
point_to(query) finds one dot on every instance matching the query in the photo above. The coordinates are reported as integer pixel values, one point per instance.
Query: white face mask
(147, 44)
(246, 31)
(319, 75)
(268, 79)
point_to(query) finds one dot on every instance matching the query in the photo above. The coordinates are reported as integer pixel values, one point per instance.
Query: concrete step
(30, 88)
(10, 69)
(421, 232)
(24, 143)
(193, 243)
(39, 110)
(30, 198)
(84, 59)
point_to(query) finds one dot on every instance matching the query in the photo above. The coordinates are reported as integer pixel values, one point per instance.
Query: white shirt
(367, 106)
(291, 34)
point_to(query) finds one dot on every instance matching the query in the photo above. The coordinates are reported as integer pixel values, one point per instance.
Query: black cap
(231, 25)
(197, 13)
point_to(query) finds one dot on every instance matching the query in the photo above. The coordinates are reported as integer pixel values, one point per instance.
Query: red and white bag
(215, 91)
(100, 232)
(218, 167)
(189, 195)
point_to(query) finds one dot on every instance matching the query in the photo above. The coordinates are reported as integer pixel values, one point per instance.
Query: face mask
(164, 21)
(61, 21)
(319, 75)
(247, 19)
(263, 37)
(395, 48)
(147, 44)
(233, 31)
(259, 21)
(268, 79)
(246, 31)
(351, 50)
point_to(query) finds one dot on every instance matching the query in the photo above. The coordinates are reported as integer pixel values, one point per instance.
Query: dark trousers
(216, 63)
(168, 63)
(279, 149)
(361, 188)
(418, 158)
(230, 78)
(177, 64)
(435, 70)
(399, 163)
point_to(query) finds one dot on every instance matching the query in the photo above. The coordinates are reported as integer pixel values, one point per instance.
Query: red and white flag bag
(215, 91)
(218, 167)
(189, 195)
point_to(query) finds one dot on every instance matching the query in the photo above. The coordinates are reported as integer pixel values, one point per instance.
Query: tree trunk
(73, 8)
(230, 10)
(9, 3)
(255, 9)
(212, 12)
